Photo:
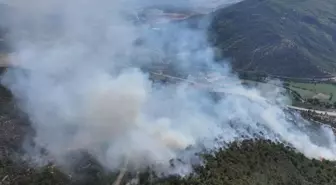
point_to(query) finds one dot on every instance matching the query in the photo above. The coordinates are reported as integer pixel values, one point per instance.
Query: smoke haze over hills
(86, 90)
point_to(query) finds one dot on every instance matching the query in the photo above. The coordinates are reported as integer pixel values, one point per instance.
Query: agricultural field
(324, 92)
(321, 96)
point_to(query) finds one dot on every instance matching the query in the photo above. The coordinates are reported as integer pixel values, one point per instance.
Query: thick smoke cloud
(85, 89)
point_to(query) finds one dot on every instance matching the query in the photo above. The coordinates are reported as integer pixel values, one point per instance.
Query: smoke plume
(88, 85)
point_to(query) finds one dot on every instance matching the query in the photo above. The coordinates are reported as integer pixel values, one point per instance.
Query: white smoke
(85, 90)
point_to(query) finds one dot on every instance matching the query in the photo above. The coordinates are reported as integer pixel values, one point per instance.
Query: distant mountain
(4, 48)
(294, 38)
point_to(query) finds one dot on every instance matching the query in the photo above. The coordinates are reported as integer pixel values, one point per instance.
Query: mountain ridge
(285, 38)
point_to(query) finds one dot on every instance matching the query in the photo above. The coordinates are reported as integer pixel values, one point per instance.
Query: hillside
(294, 38)
(250, 162)
(3, 17)
(279, 37)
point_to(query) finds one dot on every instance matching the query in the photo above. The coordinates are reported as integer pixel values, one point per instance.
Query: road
(317, 111)
(219, 90)
(224, 90)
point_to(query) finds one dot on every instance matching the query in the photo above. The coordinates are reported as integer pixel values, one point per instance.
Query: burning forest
(84, 82)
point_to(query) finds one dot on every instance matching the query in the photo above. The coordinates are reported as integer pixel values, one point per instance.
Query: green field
(324, 92)
(321, 91)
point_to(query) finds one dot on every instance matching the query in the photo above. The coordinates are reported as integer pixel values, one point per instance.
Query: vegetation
(309, 94)
(292, 38)
(251, 162)
(320, 118)
(321, 91)
(317, 95)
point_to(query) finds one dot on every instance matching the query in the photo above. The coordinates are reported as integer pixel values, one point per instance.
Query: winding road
(317, 111)
(224, 90)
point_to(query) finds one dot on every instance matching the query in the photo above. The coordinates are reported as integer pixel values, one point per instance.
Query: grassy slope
(293, 38)
(309, 90)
